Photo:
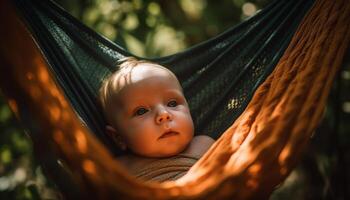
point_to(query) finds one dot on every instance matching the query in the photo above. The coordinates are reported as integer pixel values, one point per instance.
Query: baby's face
(152, 115)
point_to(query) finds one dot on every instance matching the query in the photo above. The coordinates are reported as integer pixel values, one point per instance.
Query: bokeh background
(151, 28)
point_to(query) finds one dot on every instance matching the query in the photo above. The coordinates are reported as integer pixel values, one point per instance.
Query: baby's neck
(198, 146)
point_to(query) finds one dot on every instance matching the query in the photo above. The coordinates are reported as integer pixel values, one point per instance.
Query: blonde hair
(111, 84)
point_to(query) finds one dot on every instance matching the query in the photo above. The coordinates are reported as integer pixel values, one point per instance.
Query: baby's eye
(140, 111)
(172, 103)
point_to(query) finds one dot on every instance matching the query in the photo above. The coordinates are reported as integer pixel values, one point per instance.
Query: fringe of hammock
(247, 162)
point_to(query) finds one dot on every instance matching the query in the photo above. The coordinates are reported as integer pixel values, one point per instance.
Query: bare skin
(151, 117)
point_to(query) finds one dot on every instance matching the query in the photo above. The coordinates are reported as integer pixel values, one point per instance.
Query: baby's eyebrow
(132, 106)
(127, 105)
(130, 110)
(173, 91)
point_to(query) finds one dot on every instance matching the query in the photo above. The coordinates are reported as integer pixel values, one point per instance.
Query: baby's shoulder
(199, 145)
(202, 139)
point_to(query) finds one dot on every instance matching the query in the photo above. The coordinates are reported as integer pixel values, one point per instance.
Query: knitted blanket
(162, 169)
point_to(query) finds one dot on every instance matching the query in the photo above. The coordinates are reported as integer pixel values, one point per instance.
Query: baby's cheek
(142, 131)
(138, 124)
(186, 118)
(143, 144)
(137, 141)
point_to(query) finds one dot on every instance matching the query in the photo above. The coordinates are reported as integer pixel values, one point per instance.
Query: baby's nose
(163, 116)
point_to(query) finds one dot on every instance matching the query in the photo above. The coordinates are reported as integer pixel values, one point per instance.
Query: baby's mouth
(168, 134)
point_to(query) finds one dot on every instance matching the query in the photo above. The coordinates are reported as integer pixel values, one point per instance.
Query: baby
(148, 115)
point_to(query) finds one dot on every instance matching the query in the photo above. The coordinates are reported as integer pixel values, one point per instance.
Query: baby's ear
(116, 137)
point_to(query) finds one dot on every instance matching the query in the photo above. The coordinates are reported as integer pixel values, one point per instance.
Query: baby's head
(146, 109)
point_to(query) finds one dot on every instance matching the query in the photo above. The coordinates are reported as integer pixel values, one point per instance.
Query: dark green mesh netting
(219, 76)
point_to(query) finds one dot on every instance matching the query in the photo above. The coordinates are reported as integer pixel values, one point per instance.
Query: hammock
(245, 87)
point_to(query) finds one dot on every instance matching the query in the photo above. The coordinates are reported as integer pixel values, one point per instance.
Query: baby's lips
(168, 134)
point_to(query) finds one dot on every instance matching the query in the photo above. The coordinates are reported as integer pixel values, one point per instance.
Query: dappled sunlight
(43, 75)
(233, 104)
(13, 105)
(81, 141)
(55, 113)
(255, 169)
(172, 188)
(58, 136)
(237, 139)
(65, 115)
(251, 157)
(242, 128)
(89, 167)
(249, 9)
(193, 9)
(240, 160)
(34, 91)
(346, 107)
(60, 98)
(191, 176)
(34, 88)
(284, 155)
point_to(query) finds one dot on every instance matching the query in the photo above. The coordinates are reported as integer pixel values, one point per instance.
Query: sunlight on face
(151, 112)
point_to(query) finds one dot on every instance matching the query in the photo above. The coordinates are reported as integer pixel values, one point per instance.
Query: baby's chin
(168, 147)
(171, 153)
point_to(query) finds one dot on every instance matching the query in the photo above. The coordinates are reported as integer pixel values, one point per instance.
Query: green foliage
(156, 28)
(153, 28)
(20, 176)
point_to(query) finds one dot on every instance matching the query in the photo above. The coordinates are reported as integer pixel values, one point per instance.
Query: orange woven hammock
(254, 155)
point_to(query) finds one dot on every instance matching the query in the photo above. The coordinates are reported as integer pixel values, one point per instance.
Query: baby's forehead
(128, 76)
(146, 70)
(131, 75)
(146, 81)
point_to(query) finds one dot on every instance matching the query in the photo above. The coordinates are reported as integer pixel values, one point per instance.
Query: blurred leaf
(5, 155)
(5, 113)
